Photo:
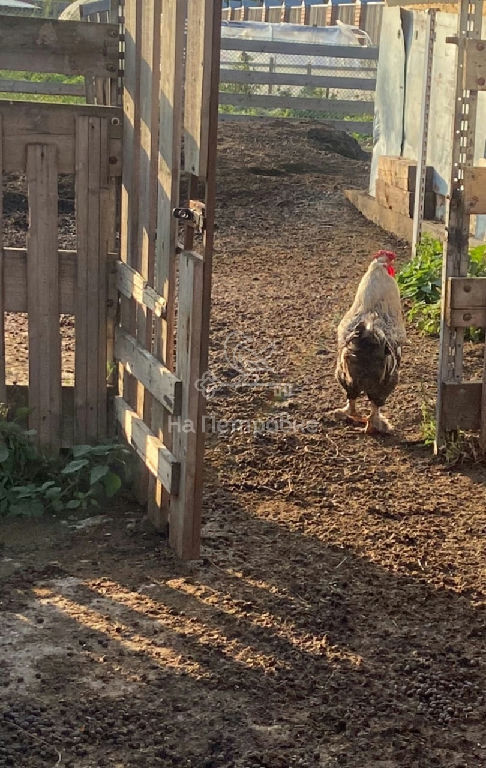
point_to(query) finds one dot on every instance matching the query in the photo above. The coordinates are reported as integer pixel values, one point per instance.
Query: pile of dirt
(340, 142)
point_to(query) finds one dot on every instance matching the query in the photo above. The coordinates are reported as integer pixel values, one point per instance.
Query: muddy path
(336, 617)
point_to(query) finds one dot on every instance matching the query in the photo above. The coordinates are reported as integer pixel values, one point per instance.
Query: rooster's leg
(376, 422)
(349, 412)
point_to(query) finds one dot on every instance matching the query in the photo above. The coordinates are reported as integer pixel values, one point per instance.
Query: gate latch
(194, 215)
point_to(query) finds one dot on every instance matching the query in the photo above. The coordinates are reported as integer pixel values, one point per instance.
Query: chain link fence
(310, 66)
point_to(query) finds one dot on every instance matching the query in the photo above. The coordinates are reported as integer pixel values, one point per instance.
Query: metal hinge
(194, 215)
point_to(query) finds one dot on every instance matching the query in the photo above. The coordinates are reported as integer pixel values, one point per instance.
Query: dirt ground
(336, 616)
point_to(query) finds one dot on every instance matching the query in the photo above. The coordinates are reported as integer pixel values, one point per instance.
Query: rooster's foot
(377, 424)
(349, 413)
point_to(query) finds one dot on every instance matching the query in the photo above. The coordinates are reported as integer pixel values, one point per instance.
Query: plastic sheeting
(289, 33)
(341, 34)
(442, 93)
(397, 117)
(390, 91)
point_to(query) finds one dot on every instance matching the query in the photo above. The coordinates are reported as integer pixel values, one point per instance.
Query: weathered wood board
(475, 65)
(43, 297)
(401, 173)
(64, 47)
(198, 84)
(391, 221)
(156, 457)
(152, 374)
(475, 189)
(466, 302)
(15, 280)
(54, 124)
(186, 510)
(49, 89)
(401, 201)
(461, 405)
(467, 292)
(91, 278)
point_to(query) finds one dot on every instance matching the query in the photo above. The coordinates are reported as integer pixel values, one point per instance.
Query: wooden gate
(164, 276)
(41, 142)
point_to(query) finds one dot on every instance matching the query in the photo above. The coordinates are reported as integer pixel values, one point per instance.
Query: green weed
(420, 283)
(32, 484)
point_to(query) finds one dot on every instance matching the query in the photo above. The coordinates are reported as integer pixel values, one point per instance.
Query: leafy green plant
(32, 483)
(420, 283)
(420, 279)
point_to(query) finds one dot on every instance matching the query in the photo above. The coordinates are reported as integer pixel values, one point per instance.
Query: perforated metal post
(418, 212)
(456, 257)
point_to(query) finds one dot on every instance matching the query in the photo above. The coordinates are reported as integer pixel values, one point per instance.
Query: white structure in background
(399, 91)
(340, 34)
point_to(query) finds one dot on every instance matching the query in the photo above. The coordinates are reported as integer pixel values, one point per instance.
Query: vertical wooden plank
(43, 296)
(171, 89)
(185, 509)
(89, 84)
(192, 348)
(304, 14)
(82, 228)
(3, 390)
(131, 130)
(89, 315)
(93, 232)
(106, 217)
(197, 86)
(131, 173)
(141, 321)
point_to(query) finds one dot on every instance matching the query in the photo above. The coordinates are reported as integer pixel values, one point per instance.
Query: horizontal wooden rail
(467, 302)
(27, 123)
(155, 377)
(267, 66)
(300, 49)
(288, 78)
(16, 280)
(65, 47)
(465, 292)
(155, 455)
(131, 284)
(42, 88)
(264, 101)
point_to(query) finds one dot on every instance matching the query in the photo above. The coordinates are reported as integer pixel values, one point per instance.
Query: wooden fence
(43, 141)
(165, 250)
(159, 407)
(60, 47)
(271, 75)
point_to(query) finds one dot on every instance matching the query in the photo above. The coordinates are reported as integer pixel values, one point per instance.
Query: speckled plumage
(370, 338)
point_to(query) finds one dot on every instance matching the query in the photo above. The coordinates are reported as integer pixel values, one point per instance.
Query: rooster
(370, 338)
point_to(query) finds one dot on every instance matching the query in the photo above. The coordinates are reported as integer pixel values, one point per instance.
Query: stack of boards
(395, 186)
